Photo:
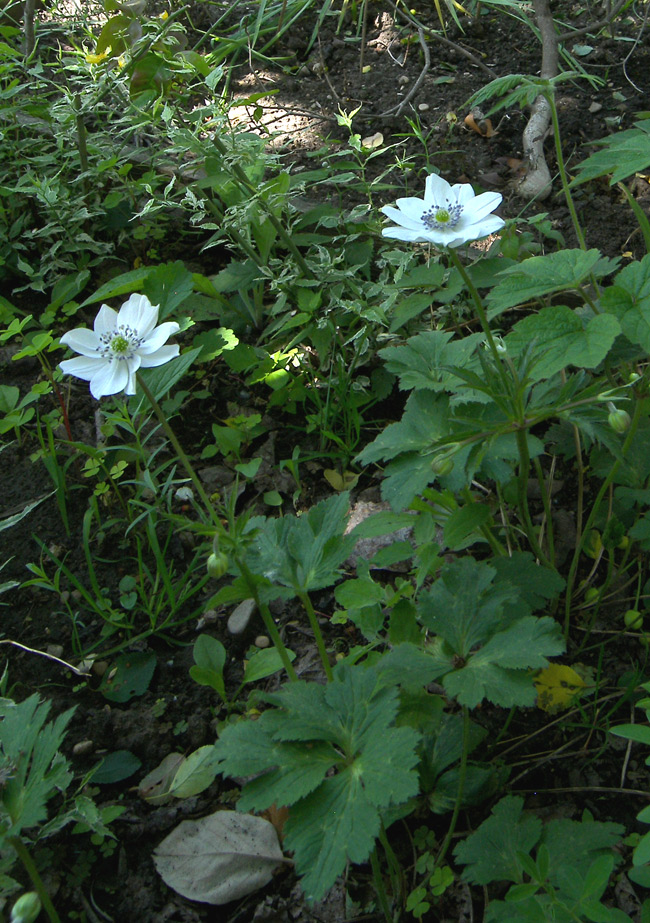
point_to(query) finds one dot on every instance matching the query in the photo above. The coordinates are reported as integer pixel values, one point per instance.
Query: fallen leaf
(557, 687)
(154, 788)
(476, 122)
(219, 858)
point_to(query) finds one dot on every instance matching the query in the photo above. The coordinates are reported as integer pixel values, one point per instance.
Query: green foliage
(566, 880)
(347, 726)
(621, 154)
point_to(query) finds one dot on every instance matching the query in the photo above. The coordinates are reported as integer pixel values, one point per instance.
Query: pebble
(83, 748)
(262, 641)
(55, 650)
(239, 619)
(423, 107)
(403, 80)
(184, 494)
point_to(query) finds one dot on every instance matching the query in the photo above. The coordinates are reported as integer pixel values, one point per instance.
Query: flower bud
(217, 565)
(619, 420)
(26, 908)
(442, 465)
(633, 619)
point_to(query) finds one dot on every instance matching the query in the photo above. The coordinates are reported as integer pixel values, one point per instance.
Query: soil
(117, 881)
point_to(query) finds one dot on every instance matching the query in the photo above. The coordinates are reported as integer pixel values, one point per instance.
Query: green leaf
(304, 553)
(264, 663)
(195, 773)
(579, 843)
(168, 286)
(562, 339)
(424, 361)
(490, 853)
(628, 299)
(542, 275)
(124, 284)
(116, 766)
(209, 658)
(162, 379)
(465, 522)
(129, 677)
(622, 155)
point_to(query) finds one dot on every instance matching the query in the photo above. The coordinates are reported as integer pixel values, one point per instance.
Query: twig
(396, 110)
(593, 26)
(31, 650)
(443, 41)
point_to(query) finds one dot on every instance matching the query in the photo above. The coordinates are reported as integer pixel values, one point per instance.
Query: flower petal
(482, 205)
(139, 313)
(157, 337)
(132, 365)
(82, 340)
(464, 194)
(404, 220)
(111, 378)
(414, 236)
(488, 225)
(436, 189)
(162, 355)
(81, 367)
(106, 320)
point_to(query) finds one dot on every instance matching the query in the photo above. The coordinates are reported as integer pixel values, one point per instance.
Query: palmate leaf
(347, 725)
(542, 275)
(424, 361)
(562, 339)
(628, 299)
(304, 552)
(491, 852)
(622, 155)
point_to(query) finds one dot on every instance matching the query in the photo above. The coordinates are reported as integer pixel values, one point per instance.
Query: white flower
(120, 343)
(447, 216)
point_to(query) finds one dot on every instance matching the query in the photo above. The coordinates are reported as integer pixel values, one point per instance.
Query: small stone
(100, 667)
(65, 596)
(208, 617)
(262, 641)
(239, 619)
(76, 595)
(54, 650)
(184, 495)
(595, 107)
(83, 748)
(423, 107)
(403, 80)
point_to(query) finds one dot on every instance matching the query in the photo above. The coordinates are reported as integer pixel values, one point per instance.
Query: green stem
(550, 97)
(462, 775)
(380, 888)
(267, 618)
(524, 511)
(631, 433)
(546, 502)
(37, 881)
(318, 634)
(169, 432)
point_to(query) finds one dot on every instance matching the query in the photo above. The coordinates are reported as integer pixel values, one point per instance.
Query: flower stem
(462, 774)
(318, 634)
(267, 618)
(550, 96)
(23, 854)
(169, 432)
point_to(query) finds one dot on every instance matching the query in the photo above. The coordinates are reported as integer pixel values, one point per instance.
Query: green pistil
(120, 345)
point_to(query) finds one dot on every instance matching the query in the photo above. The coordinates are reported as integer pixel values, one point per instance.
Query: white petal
(132, 366)
(463, 194)
(162, 355)
(482, 205)
(403, 234)
(82, 340)
(436, 189)
(81, 367)
(106, 320)
(139, 313)
(157, 337)
(404, 220)
(488, 225)
(111, 378)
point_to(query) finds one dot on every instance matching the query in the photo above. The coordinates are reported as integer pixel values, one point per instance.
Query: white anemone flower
(447, 216)
(121, 343)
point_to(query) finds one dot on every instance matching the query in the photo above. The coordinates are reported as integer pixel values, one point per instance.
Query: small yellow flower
(96, 58)
(164, 15)
(121, 62)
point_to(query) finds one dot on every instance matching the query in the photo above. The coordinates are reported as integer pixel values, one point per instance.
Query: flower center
(442, 216)
(120, 343)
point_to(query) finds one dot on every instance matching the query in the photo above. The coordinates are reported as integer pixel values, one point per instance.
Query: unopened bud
(619, 420)
(442, 465)
(217, 565)
(26, 908)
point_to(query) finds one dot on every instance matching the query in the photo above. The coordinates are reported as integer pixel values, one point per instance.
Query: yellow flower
(96, 58)
(164, 15)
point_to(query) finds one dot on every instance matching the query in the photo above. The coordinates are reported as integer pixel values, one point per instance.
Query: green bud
(26, 908)
(442, 465)
(619, 420)
(633, 619)
(217, 565)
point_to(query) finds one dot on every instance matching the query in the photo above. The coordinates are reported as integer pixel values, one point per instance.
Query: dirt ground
(175, 714)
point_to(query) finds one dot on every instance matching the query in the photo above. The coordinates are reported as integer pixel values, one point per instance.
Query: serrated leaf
(424, 361)
(220, 858)
(628, 299)
(490, 853)
(563, 339)
(582, 841)
(304, 552)
(623, 154)
(542, 275)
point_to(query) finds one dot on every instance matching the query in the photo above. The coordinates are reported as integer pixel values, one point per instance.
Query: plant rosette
(120, 343)
(447, 216)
